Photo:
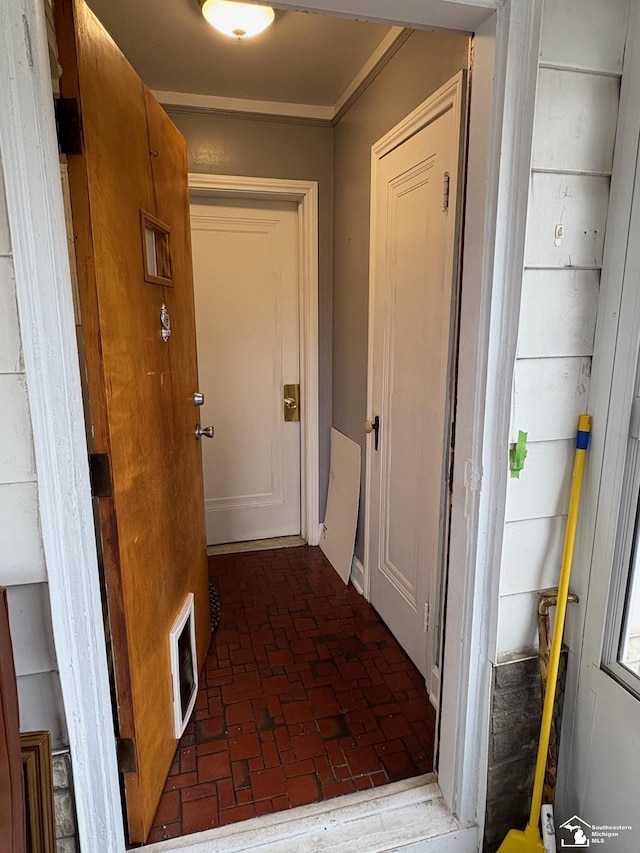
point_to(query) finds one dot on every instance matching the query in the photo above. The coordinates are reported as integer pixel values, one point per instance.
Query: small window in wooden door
(155, 250)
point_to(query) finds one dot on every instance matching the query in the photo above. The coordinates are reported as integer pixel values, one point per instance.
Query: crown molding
(283, 111)
(219, 104)
(391, 43)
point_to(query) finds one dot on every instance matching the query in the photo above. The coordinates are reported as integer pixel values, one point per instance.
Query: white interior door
(245, 264)
(412, 301)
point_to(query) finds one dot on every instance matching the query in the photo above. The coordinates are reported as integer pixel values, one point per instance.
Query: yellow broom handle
(582, 442)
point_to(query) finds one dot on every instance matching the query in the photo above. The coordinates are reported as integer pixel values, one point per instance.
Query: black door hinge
(68, 125)
(100, 475)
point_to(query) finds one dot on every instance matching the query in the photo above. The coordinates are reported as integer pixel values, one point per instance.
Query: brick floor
(305, 695)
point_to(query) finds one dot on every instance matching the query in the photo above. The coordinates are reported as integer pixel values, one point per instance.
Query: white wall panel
(550, 393)
(531, 554)
(558, 313)
(10, 355)
(31, 632)
(576, 116)
(517, 623)
(577, 202)
(587, 34)
(21, 555)
(40, 703)
(16, 450)
(543, 487)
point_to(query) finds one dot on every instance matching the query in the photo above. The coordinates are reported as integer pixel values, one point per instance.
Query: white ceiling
(302, 58)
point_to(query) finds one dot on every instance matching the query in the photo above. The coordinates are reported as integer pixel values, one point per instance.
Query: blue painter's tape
(582, 440)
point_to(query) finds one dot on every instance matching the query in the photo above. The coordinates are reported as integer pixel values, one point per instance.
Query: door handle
(290, 403)
(204, 432)
(373, 426)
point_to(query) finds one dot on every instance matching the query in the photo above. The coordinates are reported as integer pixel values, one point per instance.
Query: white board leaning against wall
(339, 528)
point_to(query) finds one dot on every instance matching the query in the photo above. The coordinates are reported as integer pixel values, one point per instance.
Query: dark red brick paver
(305, 695)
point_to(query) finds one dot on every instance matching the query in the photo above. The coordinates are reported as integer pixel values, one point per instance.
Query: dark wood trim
(38, 792)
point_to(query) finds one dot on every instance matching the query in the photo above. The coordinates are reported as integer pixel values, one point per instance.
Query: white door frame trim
(494, 244)
(305, 194)
(503, 86)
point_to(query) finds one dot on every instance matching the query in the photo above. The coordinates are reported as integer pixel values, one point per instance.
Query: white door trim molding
(496, 208)
(498, 168)
(449, 96)
(305, 194)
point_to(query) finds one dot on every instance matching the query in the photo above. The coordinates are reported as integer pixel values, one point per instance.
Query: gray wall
(277, 149)
(423, 63)
(339, 159)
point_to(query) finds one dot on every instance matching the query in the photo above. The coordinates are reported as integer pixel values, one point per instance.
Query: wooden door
(245, 263)
(132, 168)
(413, 275)
(13, 835)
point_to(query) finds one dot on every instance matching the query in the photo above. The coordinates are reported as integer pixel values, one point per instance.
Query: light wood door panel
(413, 295)
(169, 170)
(140, 388)
(246, 282)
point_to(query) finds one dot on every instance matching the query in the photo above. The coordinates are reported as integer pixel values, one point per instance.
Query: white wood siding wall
(22, 567)
(579, 75)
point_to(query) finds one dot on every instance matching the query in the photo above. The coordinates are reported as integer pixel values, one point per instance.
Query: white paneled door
(245, 263)
(414, 226)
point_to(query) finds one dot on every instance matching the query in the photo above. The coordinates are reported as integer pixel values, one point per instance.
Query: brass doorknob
(290, 403)
(373, 427)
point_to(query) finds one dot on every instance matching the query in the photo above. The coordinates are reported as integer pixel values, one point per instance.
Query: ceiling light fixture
(237, 20)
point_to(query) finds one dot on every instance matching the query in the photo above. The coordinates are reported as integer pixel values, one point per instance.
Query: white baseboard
(357, 574)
